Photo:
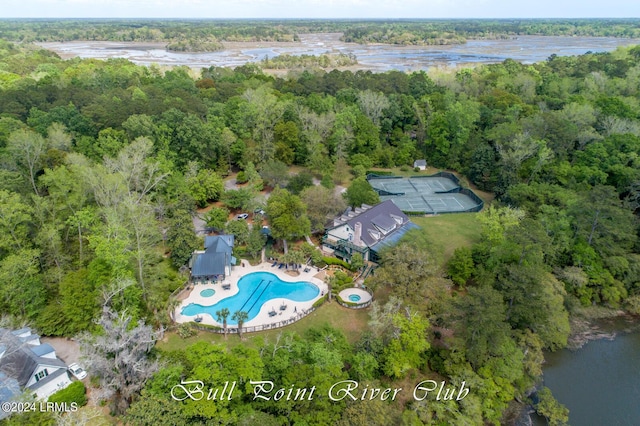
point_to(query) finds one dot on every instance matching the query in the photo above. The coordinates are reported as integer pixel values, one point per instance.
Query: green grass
(440, 234)
(408, 173)
(447, 232)
(352, 322)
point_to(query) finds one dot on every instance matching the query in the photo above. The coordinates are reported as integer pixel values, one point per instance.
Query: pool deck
(364, 296)
(237, 272)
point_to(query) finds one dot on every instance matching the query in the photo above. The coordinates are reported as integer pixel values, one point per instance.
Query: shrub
(241, 177)
(75, 392)
(347, 303)
(327, 181)
(341, 281)
(205, 327)
(185, 331)
(379, 172)
(334, 261)
(461, 266)
(320, 301)
(358, 171)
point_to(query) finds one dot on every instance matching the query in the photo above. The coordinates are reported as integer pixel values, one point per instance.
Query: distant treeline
(441, 32)
(185, 35)
(102, 165)
(326, 60)
(199, 35)
(195, 45)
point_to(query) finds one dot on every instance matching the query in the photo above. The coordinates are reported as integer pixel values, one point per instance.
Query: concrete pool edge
(262, 321)
(365, 295)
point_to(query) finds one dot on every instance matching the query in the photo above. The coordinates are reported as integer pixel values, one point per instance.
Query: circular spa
(354, 297)
(207, 292)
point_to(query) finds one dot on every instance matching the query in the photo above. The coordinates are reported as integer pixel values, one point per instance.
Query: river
(599, 383)
(527, 49)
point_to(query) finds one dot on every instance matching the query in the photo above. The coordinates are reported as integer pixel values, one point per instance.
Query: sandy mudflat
(377, 57)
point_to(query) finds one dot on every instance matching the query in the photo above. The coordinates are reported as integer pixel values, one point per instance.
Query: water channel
(600, 382)
(527, 49)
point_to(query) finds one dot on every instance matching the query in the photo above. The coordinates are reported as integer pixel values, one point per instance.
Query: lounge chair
(272, 313)
(274, 263)
(283, 307)
(281, 265)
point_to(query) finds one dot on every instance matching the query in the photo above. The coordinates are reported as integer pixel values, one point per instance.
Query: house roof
(216, 257)
(377, 223)
(24, 330)
(20, 360)
(9, 389)
(42, 349)
(53, 376)
(392, 239)
(211, 240)
(420, 163)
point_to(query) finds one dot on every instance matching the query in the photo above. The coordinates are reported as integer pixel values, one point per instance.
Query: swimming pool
(256, 289)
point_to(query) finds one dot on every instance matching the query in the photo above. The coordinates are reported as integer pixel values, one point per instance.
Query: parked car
(242, 216)
(259, 211)
(77, 371)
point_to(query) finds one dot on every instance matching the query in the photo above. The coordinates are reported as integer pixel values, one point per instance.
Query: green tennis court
(440, 193)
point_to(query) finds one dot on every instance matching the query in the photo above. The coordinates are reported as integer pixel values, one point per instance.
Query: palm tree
(222, 315)
(240, 317)
(330, 280)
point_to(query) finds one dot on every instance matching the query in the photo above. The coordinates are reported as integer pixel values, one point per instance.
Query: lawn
(352, 322)
(446, 232)
(407, 172)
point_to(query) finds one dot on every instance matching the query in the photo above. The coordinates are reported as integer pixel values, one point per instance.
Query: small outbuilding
(420, 164)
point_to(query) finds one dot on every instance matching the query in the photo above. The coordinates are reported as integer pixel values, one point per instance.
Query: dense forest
(206, 35)
(103, 164)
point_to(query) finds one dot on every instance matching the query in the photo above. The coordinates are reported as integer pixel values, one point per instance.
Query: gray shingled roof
(379, 220)
(43, 349)
(20, 361)
(9, 390)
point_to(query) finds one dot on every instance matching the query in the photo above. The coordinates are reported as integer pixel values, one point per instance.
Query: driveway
(66, 349)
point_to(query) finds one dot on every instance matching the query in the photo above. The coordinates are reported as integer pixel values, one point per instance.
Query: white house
(420, 164)
(32, 365)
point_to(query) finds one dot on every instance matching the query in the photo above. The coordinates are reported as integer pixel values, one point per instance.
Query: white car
(242, 216)
(77, 371)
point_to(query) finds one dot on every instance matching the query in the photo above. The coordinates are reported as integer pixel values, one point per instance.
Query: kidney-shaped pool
(256, 289)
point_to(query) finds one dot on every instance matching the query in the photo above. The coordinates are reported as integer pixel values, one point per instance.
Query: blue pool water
(354, 298)
(207, 292)
(256, 289)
